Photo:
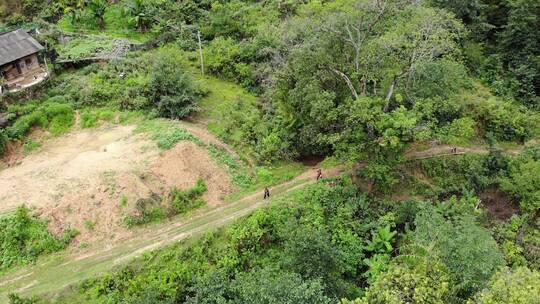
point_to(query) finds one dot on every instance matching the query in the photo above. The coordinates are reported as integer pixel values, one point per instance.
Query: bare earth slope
(77, 180)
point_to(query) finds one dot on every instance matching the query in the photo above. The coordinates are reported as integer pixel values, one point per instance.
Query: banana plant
(381, 241)
(98, 8)
(140, 15)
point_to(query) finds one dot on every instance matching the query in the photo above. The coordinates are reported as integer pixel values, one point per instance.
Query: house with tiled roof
(19, 64)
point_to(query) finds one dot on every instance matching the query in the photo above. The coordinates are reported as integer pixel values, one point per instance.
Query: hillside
(399, 142)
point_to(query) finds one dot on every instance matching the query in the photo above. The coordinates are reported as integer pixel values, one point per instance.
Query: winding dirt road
(54, 273)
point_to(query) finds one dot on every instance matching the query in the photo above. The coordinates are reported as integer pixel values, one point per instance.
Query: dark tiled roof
(17, 44)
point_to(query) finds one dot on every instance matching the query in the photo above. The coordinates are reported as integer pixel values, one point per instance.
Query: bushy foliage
(466, 249)
(24, 237)
(148, 209)
(310, 238)
(155, 208)
(185, 200)
(4, 139)
(420, 279)
(522, 182)
(455, 175)
(519, 238)
(52, 115)
(239, 175)
(258, 286)
(172, 89)
(506, 121)
(515, 286)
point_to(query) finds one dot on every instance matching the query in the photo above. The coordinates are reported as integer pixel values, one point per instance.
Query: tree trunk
(390, 94)
(348, 82)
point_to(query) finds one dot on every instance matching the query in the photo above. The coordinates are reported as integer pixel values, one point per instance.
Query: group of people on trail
(267, 191)
(454, 150)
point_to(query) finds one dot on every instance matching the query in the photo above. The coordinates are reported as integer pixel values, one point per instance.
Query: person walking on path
(266, 193)
(319, 174)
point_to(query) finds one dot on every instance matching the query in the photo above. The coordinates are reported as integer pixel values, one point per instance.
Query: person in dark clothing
(266, 193)
(319, 174)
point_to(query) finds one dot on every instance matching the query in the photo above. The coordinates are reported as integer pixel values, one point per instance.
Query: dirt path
(57, 272)
(446, 150)
(207, 137)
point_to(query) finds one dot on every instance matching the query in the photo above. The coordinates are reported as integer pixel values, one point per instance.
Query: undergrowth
(84, 47)
(52, 115)
(165, 133)
(240, 177)
(24, 237)
(155, 208)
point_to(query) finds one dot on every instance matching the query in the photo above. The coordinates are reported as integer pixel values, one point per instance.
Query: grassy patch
(95, 117)
(30, 146)
(226, 105)
(240, 176)
(182, 201)
(123, 201)
(85, 47)
(166, 133)
(89, 225)
(109, 179)
(116, 25)
(277, 173)
(56, 117)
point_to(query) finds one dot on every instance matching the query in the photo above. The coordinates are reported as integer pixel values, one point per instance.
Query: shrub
(172, 89)
(24, 237)
(516, 286)
(90, 118)
(507, 121)
(459, 131)
(3, 141)
(152, 209)
(222, 157)
(168, 139)
(21, 127)
(57, 117)
(524, 185)
(420, 280)
(184, 200)
(462, 245)
(30, 146)
(148, 210)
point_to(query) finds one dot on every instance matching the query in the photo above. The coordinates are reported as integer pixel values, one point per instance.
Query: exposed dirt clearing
(498, 204)
(77, 180)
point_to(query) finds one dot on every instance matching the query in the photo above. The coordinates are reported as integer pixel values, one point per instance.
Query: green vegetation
(24, 237)
(166, 133)
(84, 47)
(123, 201)
(184, 200)
(154, 208)
(239, 175)
(314, 237)
(360, 83)
(520, 285)
(31, 145)
(52, 115)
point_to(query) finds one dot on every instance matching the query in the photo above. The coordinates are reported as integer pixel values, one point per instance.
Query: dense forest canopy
(360, 82)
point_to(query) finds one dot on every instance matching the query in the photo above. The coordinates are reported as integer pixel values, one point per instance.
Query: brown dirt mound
(79, 179)
(498, 204)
